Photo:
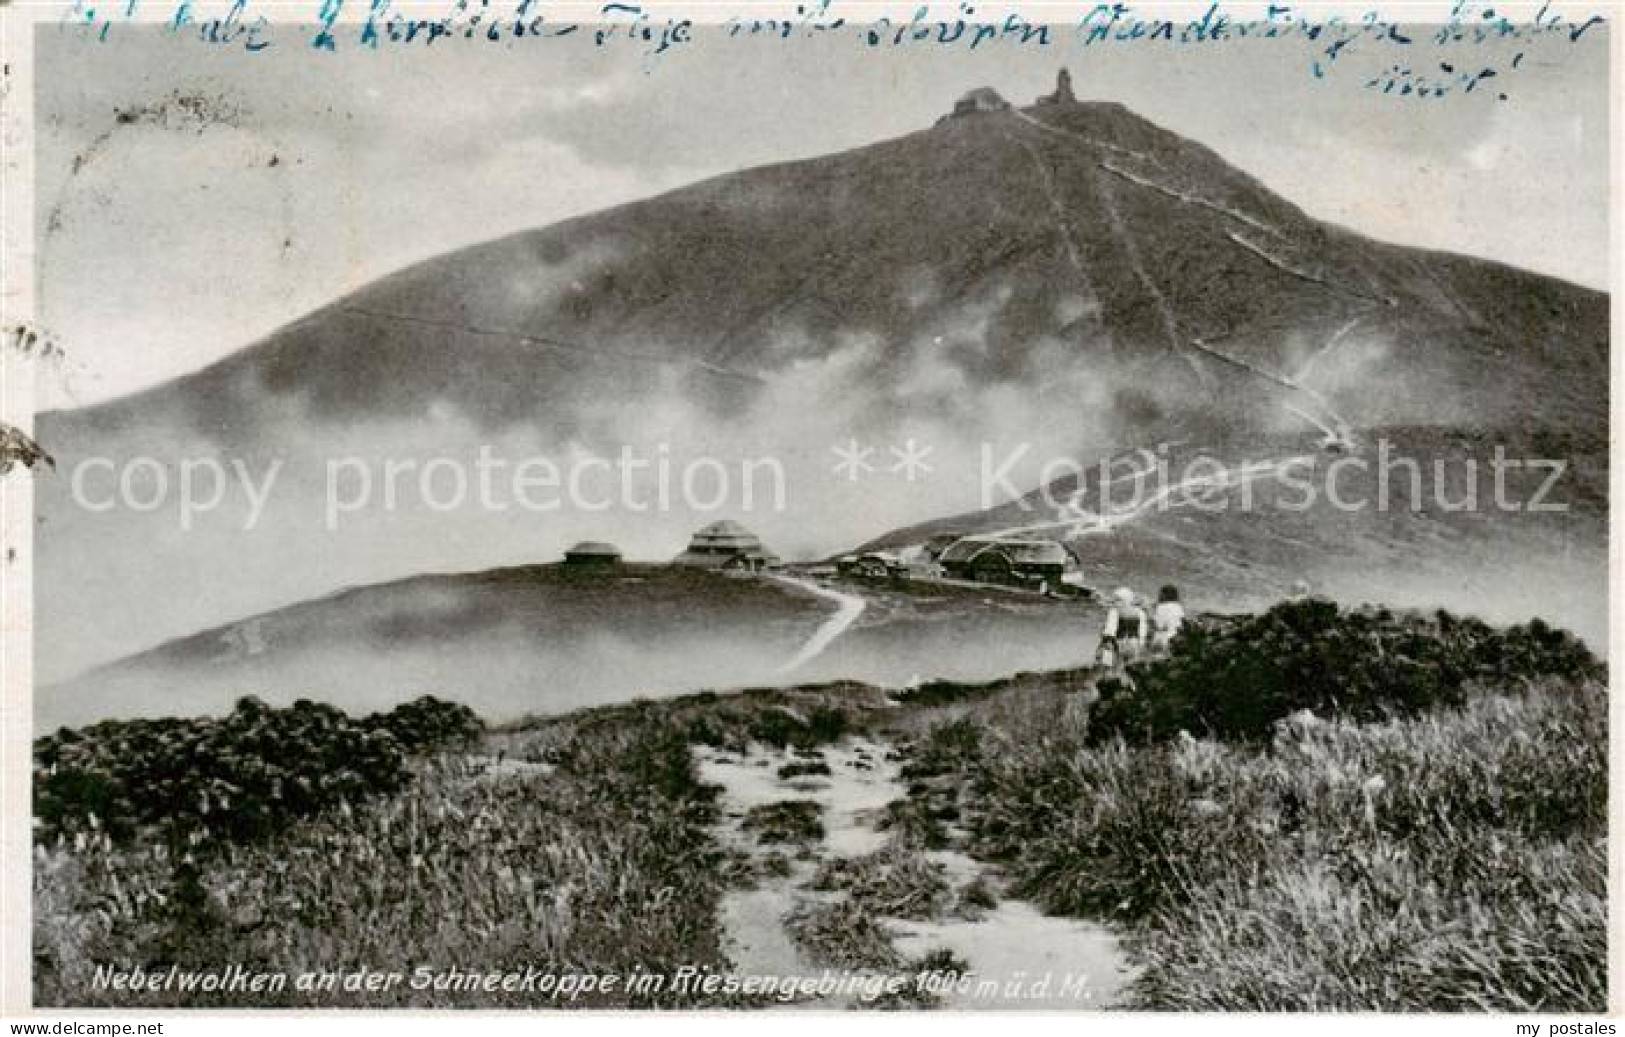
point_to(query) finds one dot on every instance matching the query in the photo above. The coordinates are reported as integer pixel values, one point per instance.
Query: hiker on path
(1122, 639)
(1167, 618)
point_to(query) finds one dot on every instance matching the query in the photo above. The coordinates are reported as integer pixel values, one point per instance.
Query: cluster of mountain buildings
(1027, 562)
(985, 99)
(724, 546)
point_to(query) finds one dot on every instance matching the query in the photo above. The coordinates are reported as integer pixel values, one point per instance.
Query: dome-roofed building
(727, 545)
(591, 553)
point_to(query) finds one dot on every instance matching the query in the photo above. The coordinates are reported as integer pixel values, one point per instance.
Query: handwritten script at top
(1476, 49)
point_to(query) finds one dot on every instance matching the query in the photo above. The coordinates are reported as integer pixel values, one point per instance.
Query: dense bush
(781, 728)
(1234, 680)
(428, 724)
(237, 777)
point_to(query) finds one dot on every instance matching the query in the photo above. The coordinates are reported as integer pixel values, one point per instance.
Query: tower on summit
(1063, 90)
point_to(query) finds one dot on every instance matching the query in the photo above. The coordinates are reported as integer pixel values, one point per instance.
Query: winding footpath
(1009, 948)
(1083, 522)
(849, 608)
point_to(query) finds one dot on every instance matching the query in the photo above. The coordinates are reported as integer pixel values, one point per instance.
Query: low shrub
(825, 724)
(784, 728)
(238, 777)
(429, 725)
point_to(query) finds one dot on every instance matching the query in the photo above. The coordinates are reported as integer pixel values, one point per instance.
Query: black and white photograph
(824, 507)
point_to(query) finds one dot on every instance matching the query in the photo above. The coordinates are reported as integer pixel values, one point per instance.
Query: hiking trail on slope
(1008, 948)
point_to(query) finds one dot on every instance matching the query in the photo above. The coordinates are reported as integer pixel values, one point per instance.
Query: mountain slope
(1068, 277)
(1084, 231)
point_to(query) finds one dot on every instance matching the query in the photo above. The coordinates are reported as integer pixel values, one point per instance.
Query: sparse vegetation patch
(896, 881)
(795, 821)
(841, 936)
(804, 769)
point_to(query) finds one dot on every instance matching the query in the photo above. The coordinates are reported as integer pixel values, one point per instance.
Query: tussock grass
(976, 897)
(803, 769)
(896, 881)
(840, 935)
(915, 821)
(1454, 860)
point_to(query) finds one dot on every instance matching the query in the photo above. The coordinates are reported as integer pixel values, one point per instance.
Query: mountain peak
(985, 99)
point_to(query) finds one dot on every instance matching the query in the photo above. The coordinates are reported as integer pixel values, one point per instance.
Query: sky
(169, 239)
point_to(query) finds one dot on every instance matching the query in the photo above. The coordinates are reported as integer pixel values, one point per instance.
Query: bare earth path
(1010, 949)
(1187, 491)
(849, 608)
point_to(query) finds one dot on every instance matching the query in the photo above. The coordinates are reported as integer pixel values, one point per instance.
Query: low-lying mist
(362, 503)
(500, 677)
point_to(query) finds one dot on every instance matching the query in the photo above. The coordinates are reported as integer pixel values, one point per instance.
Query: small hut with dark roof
(726, 545)
(590, 553)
